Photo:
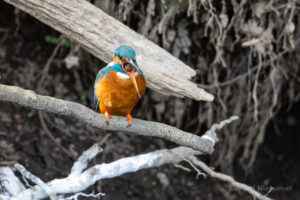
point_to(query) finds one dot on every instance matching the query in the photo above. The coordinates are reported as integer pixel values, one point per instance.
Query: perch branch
(100, 34)
(32, 100)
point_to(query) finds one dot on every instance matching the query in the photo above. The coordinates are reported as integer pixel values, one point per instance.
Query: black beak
(131, 62)
(131, 74)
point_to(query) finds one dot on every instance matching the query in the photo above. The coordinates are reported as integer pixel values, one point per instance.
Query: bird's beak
(131, 74)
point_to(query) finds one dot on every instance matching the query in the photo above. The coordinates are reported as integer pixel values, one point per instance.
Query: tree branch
(10, 185)
(228, 179)
(36, 180)
(100, 34)
(77, 182)
(81, 178)
(32, 100)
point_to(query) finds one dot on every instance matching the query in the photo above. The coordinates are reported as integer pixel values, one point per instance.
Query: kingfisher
(119, 86)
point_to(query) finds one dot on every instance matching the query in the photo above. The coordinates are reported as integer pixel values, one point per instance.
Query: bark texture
(30, 99)
(100, 34)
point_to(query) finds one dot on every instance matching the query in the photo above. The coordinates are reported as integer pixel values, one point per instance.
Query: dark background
(261, 152)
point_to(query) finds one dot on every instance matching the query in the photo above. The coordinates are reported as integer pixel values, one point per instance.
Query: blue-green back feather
(104, 72)
(96, 100)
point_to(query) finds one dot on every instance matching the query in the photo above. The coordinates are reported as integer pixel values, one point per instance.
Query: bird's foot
(107, 117)
(129, 118)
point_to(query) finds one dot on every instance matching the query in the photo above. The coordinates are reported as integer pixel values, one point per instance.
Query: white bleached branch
(75, 196)
(81, 178)
(77, 182)
(211, 134)
(83, 160)
(10, 185)
(35, 180)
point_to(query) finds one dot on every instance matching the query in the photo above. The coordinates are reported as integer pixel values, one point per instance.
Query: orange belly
(118, 96)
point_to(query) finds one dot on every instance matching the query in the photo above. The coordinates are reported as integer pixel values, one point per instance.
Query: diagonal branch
(228, 179)
(32, 100)
(100, 34)
(78, 182)
(36, 180)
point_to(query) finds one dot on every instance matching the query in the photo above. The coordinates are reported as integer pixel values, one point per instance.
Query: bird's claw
(107, 121)
(107, 118)
(129, 118)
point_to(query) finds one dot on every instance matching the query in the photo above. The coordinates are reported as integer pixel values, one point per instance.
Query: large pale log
(100, 34)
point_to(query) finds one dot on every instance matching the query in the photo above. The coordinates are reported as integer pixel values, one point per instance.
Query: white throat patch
(125, 76)
(122, 75)
(111, 64)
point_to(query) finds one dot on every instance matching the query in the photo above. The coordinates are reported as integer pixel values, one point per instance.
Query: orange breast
(118, 96)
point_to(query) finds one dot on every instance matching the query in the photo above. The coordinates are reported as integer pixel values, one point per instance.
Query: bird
(119, 86)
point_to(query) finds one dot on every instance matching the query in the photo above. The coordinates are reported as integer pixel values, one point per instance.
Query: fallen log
(100, 34)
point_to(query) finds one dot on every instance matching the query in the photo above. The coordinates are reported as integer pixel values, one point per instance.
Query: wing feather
(100, 74)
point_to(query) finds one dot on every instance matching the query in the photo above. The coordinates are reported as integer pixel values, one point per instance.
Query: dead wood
(100, 34)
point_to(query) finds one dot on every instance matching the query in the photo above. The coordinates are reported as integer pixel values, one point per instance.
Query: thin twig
(254, 94)
(196, 169)
(48, 64)
(182, 167)
(92, 195)
(51, 137)
(228, 179)
(211, 133)
(248, 73)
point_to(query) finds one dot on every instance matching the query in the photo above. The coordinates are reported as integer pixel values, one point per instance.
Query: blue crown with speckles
(125, 51)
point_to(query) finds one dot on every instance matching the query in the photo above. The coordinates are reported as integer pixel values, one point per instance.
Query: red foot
(129, 119)
(107, 117)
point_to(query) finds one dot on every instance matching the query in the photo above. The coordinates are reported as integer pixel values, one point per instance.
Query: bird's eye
(120, 58)
(128, 67)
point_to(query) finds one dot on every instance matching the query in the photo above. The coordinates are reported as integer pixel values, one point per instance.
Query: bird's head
(126, 56)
